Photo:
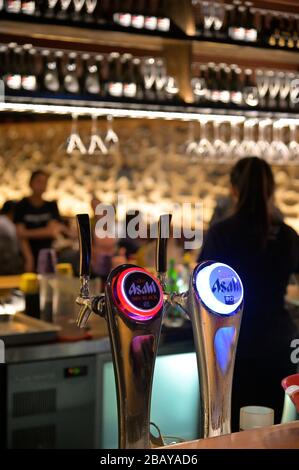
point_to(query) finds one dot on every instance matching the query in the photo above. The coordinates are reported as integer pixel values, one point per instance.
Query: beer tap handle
(85, 244)
(161, 248)
(84, 300)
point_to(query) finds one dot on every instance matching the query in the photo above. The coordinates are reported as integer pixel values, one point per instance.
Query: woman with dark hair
(265, 252)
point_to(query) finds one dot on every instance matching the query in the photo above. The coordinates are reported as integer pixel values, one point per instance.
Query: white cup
(255, 417)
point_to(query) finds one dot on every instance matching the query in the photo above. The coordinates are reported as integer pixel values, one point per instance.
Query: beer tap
(133, 307)
(214, 304)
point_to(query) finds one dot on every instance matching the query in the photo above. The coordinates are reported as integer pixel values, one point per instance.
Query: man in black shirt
(37, 220)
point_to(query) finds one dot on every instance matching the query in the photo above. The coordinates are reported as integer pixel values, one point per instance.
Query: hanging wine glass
(219, 144)
(263, 143)
(278, 151)
(74, 141)
(208, 15)
(96, 141)
(191, 143)
(205, 149)
(248, 146)
(111, 139)
(293, 145)
(233, 152)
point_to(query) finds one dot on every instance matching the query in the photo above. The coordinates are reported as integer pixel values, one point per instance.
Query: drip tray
(21, 329)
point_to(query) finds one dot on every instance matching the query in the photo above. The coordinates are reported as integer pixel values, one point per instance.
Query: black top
(36, 217)
(265, 275)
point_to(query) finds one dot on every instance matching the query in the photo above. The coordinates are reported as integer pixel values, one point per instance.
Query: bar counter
(281, 436)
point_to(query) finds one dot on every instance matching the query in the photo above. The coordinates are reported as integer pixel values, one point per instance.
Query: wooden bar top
(281, 436)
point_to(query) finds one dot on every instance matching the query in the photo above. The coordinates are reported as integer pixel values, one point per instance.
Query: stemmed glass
(96, 141)
(294, 89)
(208, 15)
(205, 149)
(74, 141)
(274, 87)
(219, 144)
(111, 139)
(284, 88)
(293, 145)
(78, 5)
(65, 4)
(262, 142)
(248, 145)
(149, 73)
(191, 143)
(235, 142)
(219, 13)
(262, 82)
(90, 6)
(278, 151)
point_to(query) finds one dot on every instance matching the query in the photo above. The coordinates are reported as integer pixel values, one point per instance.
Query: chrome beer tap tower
(214, 304)
(133, 307)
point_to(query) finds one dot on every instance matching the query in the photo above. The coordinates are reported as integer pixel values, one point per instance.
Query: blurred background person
(265, 252)
(38, 221)
(10, 251)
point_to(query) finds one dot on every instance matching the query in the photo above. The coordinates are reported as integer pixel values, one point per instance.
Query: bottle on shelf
(137, 17)
(28, 7)
(150, 18)
(71, 78)
(213, 82)
(29, 68)
(224, 78)
(51, 72)
(92, 74)
(12, 77)
(250, 28)
(13, 6)
(138, 78)
(114, 83)
(129, 83)
(274, 28)
(163, 22)
(236, 30)
(250, 91)
(122, 14)
(236, 89)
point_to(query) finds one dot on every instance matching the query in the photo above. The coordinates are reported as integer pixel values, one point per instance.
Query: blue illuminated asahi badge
(219, 287)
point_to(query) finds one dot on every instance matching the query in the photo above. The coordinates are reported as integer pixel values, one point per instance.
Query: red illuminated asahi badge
(138, 294)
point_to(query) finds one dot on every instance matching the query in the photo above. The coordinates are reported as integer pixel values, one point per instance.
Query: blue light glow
(223, 341)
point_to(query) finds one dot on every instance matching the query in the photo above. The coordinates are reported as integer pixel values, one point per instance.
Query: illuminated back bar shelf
(135, 110)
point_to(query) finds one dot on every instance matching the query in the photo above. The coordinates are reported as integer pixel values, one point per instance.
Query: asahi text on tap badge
(219, 287)
(139, 294)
